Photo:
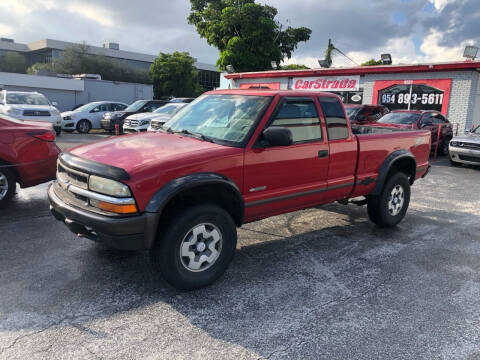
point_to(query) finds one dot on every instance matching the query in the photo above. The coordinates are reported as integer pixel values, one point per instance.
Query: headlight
(108, 187)
(67, 118)
(13, 111)
(144, 122)
(55, 111)
(453, 143)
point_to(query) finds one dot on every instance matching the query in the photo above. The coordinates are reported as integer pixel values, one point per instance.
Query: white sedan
(141, 122)
(88, 116)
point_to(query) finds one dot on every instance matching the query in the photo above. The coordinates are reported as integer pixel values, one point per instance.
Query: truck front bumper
(137, 232)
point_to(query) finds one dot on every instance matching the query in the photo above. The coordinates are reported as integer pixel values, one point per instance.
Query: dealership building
(452, 88)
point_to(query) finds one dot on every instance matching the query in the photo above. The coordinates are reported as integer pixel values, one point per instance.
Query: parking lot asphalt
(322, 283)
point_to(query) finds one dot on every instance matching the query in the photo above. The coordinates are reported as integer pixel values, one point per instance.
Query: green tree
(13, 62)
(371, 62)
(293, 67)
(245, 33)
(175, 75)
(77, 60)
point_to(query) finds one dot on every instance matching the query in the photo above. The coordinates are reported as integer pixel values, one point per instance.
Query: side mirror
(54, 103)
(278, 136)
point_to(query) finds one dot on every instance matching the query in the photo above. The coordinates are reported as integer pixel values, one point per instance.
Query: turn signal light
(44, 136)
(119, 209)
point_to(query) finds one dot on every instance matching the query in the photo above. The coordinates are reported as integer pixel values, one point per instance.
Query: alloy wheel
(396, 200)
(201, 247)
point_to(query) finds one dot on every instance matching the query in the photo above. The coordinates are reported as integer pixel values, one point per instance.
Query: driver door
(96, 114)
(282, 178)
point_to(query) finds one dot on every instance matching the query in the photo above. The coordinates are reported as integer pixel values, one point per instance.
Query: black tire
(454, 163)
(84, 126)
(8, 183)
(378, 206)
(443, 150)
(167, 254)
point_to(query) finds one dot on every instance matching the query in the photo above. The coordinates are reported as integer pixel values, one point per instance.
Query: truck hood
(140, 151)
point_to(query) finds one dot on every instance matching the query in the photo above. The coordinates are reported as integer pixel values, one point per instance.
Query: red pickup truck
(229, 158)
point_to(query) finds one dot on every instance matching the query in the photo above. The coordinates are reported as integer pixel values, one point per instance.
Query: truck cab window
(337, 127)
(301, 117)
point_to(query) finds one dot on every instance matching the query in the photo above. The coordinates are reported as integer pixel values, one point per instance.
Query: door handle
(322, 153)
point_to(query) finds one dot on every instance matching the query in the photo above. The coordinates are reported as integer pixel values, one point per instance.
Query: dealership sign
(327, 83)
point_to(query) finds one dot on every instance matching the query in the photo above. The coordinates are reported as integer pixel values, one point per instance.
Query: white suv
(30, 106)
(88, 116)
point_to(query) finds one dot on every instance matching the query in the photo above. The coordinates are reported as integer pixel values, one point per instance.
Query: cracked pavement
(315, 284)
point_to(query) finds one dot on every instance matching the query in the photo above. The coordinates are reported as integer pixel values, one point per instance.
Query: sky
(412, 31)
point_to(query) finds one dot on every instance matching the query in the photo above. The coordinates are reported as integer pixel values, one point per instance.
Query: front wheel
(7, 185)
(197, 247)
(390, 207)
(84, 126)
(444, 147)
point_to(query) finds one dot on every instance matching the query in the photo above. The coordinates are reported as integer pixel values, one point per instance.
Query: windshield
(27, 99)
(167, 109)
(227, 118)
(352, 112)
(399, 118)
(86, 107)
(135, 106)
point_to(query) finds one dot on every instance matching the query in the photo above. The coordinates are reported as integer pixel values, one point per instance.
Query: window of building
(301, 117)
(332, 109)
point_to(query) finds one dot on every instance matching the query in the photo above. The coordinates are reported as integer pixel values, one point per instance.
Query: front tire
(7, 185)
(390, 207)
(84, 126)
(197, 247)
(444, 147)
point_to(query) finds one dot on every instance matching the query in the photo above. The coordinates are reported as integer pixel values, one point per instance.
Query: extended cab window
(301, 117)
(337, 127)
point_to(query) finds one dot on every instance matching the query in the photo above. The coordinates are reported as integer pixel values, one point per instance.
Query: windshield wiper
(197, 135)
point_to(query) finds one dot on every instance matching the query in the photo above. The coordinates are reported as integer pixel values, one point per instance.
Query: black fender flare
(161, 198)
(387, 164)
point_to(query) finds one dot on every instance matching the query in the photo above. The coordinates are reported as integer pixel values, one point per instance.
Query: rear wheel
(197, 247)
(83, 126)
(7, 185)
(444, 147)
(390, 207)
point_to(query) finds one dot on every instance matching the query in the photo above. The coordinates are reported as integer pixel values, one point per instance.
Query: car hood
(472, 138)
(140, 116)
(161, 117)
(68, 113)
(143, 151)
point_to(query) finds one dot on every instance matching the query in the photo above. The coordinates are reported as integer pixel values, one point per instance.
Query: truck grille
(67, 175)
(36, 113)
(130, 122)
(471, 146)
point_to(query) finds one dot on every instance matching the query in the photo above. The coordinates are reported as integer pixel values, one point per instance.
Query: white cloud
(402, 50)
(6, 30)
(440, 4)
(92, 12)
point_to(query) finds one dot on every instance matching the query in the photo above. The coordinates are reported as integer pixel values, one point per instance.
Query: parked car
(141, 122)
(422, 119)
(466, 149)
(88, 116)
(28, 154)
(365, 114)
(117, 117)
(229, 158)
(30, 106)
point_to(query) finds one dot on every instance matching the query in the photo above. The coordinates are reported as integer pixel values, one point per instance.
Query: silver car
(466, 149)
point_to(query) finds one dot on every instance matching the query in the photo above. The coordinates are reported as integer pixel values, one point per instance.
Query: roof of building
(361, 70)
(97, 50)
